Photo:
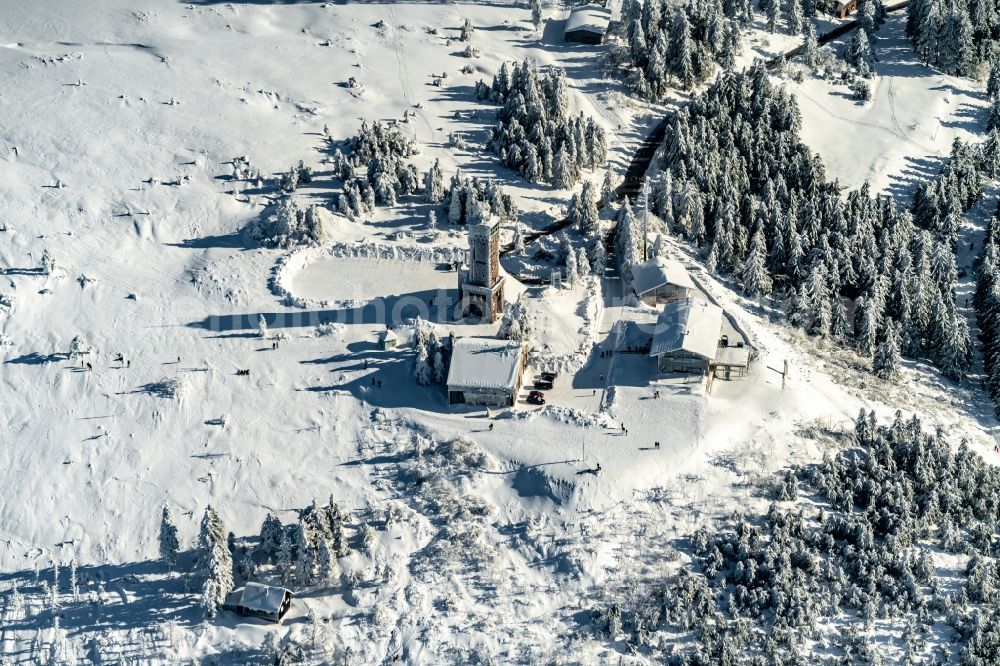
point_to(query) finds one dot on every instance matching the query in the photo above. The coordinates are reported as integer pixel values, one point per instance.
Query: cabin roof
(484, 363)
(690, 325)
(657, 272)
(589, 18)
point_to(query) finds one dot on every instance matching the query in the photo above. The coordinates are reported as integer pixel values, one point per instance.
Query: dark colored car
(543, 385)
(536, 398)
(549, 376)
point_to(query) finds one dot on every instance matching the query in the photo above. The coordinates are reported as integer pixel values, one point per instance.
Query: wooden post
(784, 375)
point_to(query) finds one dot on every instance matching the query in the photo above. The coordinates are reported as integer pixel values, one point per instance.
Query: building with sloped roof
(257, 600)
(486, 371)
(588, 24)
(661, 280)
(686, 336)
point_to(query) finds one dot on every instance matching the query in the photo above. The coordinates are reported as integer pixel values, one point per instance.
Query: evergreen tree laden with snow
(887, 361)
(754, 278)
(627, 248)
(169, 542)
(514, 322)
(859, 53)
(271, 534)
(215, 563)
(536, 14)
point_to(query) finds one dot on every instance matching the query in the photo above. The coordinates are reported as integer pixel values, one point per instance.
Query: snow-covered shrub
(861, 91)
(324, 330)
(468, 200)
(170, 388)
(285, 225)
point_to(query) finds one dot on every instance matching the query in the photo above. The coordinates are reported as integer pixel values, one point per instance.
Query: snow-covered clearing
(119, 123)
(898, 138)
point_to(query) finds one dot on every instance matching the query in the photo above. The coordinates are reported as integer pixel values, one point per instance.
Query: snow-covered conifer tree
(887, 360)
(572, 274)
(754, 277)
(271, 534)
(423, 372)
(796, 18)
(169, 542)
(562, 170)
(215, 563)
(607, 189)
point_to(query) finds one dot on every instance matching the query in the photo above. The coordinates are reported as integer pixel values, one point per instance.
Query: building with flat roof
(486, 371)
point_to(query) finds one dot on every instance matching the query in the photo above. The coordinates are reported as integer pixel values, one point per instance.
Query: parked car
(543, 385)
(549, 376)
(536, 398)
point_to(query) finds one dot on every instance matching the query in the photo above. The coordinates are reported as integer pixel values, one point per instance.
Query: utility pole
(645, 214)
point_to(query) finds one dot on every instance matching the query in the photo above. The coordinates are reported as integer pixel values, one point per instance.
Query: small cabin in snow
(661, 280)
(588, 24)
(486, 371)
(387, 340)
(256, 600)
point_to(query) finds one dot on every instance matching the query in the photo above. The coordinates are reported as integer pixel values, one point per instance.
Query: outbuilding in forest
(588, 24)
(257, 600)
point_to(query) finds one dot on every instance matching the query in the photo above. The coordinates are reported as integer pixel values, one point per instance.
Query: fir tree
(215, 563)
(887, 361)
(536, 14)
(169, 543)
(754, 276)
(271, 533)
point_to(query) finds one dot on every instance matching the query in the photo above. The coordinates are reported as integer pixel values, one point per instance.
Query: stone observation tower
(480, 284)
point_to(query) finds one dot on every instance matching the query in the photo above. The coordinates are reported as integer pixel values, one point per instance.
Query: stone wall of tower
(484, 254)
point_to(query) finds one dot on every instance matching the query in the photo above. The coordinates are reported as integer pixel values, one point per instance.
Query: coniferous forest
(854, 555)
(735, 179)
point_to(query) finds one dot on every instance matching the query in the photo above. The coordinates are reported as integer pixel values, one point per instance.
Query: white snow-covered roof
(736, 356)
(262, 598)
(484, 363)
(589, 18)
(690, 325)
(657, 272)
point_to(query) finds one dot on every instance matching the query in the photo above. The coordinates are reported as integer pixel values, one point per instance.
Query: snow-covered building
(387, 340)
(841, 8)
(480, 283)
(686, 336)
(266, 601)
(486, 371)
(661, 280)
(588, 24)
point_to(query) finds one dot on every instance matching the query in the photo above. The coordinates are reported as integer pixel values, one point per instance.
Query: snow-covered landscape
(503, 332)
